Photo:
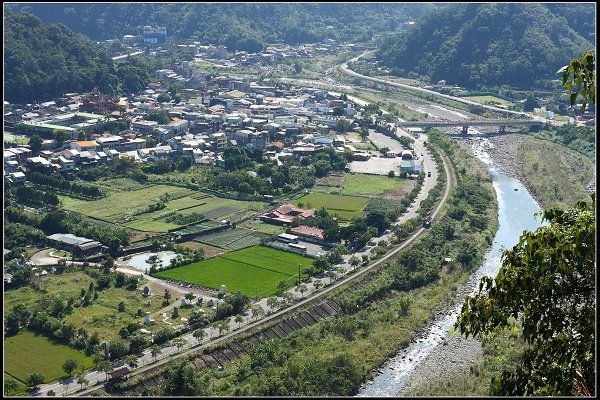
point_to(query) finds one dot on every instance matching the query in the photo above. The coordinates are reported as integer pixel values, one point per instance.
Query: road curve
(344, 68)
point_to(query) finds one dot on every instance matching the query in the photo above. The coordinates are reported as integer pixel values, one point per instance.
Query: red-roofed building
(285, 214)
(309, 231)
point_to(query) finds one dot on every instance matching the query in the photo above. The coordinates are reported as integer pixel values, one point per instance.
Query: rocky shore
(454, 357)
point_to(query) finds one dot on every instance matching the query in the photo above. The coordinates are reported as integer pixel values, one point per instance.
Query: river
(516, 212)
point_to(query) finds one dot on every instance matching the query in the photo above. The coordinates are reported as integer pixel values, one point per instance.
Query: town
(293, 199)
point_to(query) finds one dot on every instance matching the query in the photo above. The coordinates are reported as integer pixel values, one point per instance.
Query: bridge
(500, 123)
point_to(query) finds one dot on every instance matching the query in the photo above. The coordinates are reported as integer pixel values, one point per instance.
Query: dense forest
(485, 45)
(43, 61)
(228, 23)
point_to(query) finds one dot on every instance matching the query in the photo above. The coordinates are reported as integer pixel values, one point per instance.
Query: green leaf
(573, 98)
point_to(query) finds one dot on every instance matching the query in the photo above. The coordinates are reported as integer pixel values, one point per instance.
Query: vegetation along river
(516, 212)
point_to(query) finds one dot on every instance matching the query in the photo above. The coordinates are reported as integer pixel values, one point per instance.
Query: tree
(546, 283)
(364, 133)
(175, 313)
(69, 366)
(317, 284)
(35, 144)
(354, 261)
(583, 82)
(82, 380)
(163, 98)
(118, 348)
(105, 366)
(239, 319)
(121, 306)
(273, 302)
(302, 288)
(10, 385)
(179, 342)
(155, 351)
(257, 311)
(59, 136)
(199, 334)
(35, 379)
(51, 393)
(131, 360)
(189, 296)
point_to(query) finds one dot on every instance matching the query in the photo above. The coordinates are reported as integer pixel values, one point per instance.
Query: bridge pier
(502, 129)
(465, 130)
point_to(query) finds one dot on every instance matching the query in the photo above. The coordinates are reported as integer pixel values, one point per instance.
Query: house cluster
(286, 215)
(228, 111)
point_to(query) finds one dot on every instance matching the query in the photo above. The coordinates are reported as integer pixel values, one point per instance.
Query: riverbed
(516, 212)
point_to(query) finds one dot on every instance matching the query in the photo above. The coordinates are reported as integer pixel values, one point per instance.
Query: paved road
(344, 68)
(171, 352)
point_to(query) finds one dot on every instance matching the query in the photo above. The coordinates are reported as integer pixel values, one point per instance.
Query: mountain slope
(225, 23)
(43, 61)
(476, 45)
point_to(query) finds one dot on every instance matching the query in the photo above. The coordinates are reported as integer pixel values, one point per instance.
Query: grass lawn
(346, 207)
(363, 184)
(489, 100)
(556, 175)
(254, 270)
(120, 184)
(102, 315)
(29, 352)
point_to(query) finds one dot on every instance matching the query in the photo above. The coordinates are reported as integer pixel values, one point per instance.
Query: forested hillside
(44, 61)
(477, 45)
(228, 23)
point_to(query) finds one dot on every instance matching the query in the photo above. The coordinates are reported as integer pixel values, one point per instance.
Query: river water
(516, 210)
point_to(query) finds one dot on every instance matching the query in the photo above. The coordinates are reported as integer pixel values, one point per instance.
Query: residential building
(285, 214)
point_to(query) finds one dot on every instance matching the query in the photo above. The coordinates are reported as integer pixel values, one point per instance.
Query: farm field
(232, 239)
(346, 207)
(121, 204)
(209, 251)
(363, 184)
(116, 206)
(48, 357)
(263, 228)
(254, 271)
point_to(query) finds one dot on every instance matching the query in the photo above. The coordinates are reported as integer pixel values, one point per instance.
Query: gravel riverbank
(453, 358)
